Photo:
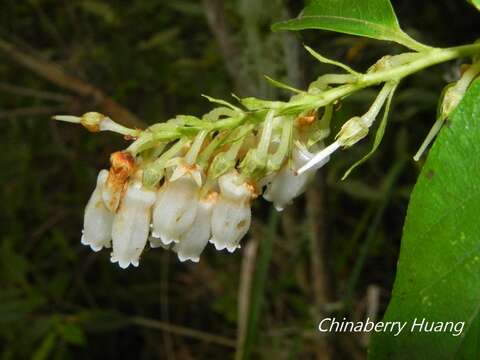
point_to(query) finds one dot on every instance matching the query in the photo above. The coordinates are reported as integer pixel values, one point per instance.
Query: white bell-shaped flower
(174, 210)
(287, 183)
(97, 223)
(231, 215)
(193, 242)
(131, 225)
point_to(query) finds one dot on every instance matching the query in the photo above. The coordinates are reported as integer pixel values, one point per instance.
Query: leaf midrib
(389, 33)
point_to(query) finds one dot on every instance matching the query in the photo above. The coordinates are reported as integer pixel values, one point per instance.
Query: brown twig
(321, 288)
(59, 77)
(215, 13)
(244, 293)
(43, 95)
(183, 331)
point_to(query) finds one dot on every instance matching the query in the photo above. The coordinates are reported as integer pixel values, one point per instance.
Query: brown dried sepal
(212, 197)
(121, 169)
(464, 68)
(253, 189)
(306, 120)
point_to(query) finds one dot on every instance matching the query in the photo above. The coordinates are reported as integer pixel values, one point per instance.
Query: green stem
(430, 58)
(377, 105)
(411, 43)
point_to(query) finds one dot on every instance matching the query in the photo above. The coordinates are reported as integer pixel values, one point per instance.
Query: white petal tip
(155, 244)
(183, 258)
(167, 240)
(124, 264)
(218, 246)
(95, 248)
(231, 249)
(279, 208)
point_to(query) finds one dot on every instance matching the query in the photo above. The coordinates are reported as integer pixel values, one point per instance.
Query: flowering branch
(191, 180)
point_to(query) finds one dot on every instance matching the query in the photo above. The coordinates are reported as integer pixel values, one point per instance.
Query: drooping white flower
(174, 210)
(232, 214)
(131, 224)
(193, 242)
(287, 183)
(97, 223)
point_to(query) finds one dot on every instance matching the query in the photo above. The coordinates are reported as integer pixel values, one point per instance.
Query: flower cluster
(186, 193)
(190, 181)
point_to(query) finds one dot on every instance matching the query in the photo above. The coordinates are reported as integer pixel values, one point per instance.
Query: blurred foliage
(58, 300)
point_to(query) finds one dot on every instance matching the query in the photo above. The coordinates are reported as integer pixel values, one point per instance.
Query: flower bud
(232, 214)
(97, 224)
(193, 242)
(131, 225)
(174, 210)
(287, 183)
(352, 131)
(93, 120)
(452, 97)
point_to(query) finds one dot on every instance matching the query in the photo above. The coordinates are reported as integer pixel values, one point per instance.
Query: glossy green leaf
(475, 3)
(438, 273)
(373, 18)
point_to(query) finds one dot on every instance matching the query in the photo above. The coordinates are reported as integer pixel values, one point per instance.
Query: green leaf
(439, 267)
(475, 3)
(378, 135)
(46, 347)
(72, 333)
(373, 18)
(101, 10)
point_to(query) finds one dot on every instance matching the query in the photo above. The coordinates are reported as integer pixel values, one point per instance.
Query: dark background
(333, 251)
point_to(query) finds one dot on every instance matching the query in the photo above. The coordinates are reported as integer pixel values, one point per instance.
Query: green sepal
(221, 164)
(151, 176)
(254, 166)
(282, 85)
(222, 102)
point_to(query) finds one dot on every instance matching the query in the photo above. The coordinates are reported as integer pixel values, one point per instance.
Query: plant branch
(183, 331)
(215, 14)
(59, 77)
